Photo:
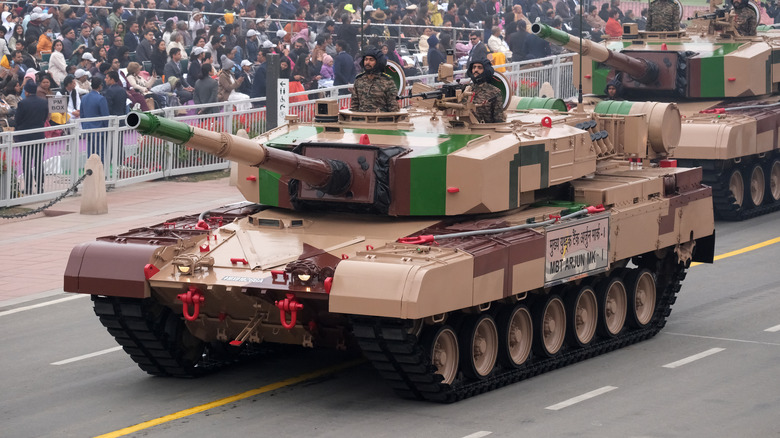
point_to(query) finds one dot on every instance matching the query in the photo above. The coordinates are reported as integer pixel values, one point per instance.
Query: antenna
(579, 87)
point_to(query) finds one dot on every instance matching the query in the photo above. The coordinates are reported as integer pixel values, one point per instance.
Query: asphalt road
(713, 371)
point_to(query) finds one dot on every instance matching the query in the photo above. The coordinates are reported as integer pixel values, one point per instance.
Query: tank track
(724, 202)
(401, 360)
(155, 337)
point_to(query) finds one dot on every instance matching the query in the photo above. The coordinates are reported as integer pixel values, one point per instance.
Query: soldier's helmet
(381, 59)
(486, 75)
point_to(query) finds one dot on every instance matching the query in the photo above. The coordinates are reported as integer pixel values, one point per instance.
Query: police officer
(663, 16)
(486, 98)
(374, 90)
(745, 20)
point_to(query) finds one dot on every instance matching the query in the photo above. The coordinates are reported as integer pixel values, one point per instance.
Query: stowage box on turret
(458, 256)
(725, 86)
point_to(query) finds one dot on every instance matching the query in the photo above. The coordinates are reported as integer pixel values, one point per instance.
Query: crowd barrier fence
(41, 170)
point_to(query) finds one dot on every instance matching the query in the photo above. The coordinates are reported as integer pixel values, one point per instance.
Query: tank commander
(745, 20)
(486, 98)
(663, 16)
(374, 90)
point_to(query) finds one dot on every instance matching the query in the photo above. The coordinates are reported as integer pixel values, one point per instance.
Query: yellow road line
(231, 399)
(744, 250)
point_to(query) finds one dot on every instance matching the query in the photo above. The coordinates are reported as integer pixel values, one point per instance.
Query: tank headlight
(304, 277)
(188, 264)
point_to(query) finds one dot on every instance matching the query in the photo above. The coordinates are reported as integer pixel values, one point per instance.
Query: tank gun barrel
(642, 70)
(331, 176)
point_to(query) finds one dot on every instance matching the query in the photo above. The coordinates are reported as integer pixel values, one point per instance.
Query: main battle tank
(458, 256)
(725, 86)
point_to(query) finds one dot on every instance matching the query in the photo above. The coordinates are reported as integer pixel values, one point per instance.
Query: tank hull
(388, 297)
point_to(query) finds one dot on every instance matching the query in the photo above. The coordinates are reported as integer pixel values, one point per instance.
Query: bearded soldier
(745, 19)
(486, 98)
(663, 16)
(374, 89)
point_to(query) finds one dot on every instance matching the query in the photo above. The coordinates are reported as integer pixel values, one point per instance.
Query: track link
(724, 202)
(154, 337)
(401, 360)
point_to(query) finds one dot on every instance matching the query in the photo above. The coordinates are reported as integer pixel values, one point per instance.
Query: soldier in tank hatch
(486, 98)
(663, 16)
(374, 89)
(745, 19)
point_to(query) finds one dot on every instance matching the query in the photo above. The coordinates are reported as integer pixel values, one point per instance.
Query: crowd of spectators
(173, 52)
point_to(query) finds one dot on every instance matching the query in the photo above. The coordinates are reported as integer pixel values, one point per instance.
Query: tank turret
(704, 62)
(336, 165)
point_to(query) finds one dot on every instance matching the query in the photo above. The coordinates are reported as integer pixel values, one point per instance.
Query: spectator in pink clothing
(327, 67)
(326, 71)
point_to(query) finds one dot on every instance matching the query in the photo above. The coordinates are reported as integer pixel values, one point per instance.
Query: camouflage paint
(712, 77)
(293, 138)
(599, 78)
(527, 155)
(428, 166)
(541, 102)
(269, 186)
(428, 176)
(709, 82)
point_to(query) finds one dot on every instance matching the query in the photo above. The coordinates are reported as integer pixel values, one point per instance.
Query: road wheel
(515, 335)
(479, 341)
(641, 297)
(757, 185)
(442, 345)
(550, 326)
(773, 180)
(737, 187)
(582, 310)
(612, 306)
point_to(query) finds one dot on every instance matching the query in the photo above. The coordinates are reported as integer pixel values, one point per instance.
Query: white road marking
(690, 359)
(479, 434)
(773, 329)
(580, 398)
(47, 303)
(87, 356)
(723, 339)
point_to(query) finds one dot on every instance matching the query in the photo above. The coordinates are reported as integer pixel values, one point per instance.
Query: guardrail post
(227, 108)
(112, 171)
(74, 150)
(7, 169)
(557, 77)
(172, 148)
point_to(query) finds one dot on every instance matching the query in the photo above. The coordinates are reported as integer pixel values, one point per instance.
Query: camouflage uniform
(374, 93)
(745, 21)
(488, 105)
(663, 16)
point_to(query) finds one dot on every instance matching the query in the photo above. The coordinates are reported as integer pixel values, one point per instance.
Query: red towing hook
(194, 297)
(289, 304)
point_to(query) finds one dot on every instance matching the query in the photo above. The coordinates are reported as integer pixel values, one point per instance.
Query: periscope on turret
(414, 236)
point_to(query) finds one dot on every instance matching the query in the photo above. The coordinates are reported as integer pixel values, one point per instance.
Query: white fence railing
(41, 170)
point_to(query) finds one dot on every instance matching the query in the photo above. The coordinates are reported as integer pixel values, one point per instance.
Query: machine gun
(446, 91)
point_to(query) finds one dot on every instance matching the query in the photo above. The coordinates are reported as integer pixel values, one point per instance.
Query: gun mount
(331, 176)
(641, 70)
